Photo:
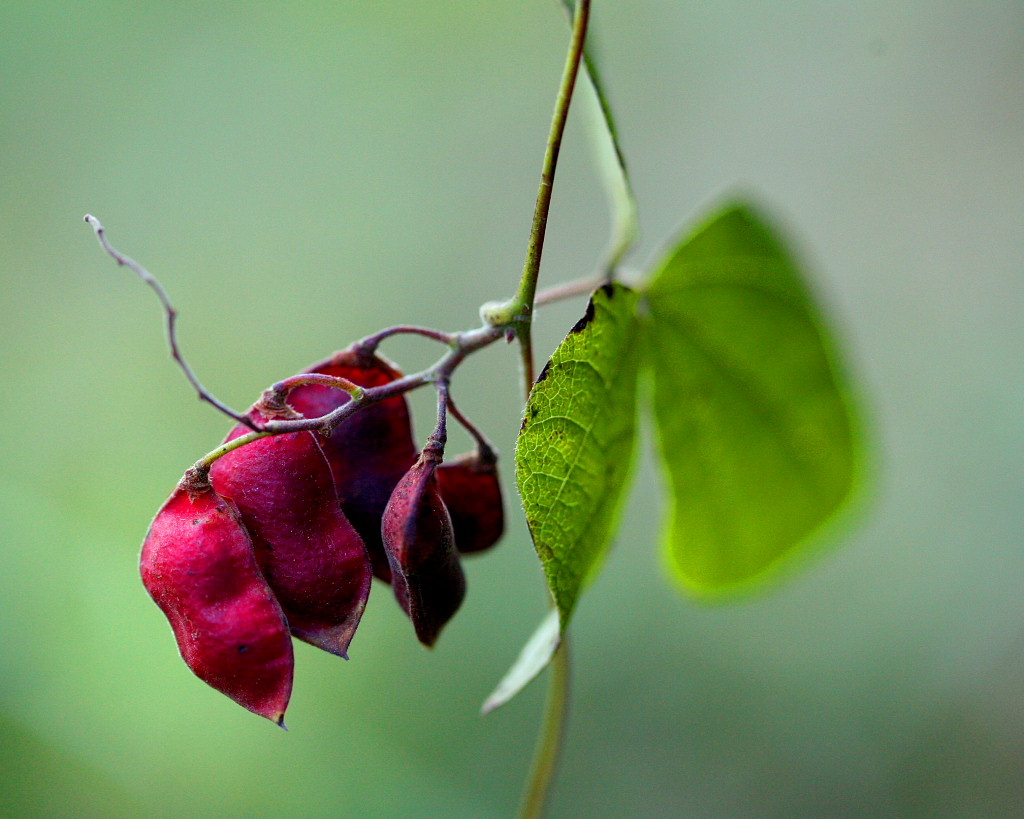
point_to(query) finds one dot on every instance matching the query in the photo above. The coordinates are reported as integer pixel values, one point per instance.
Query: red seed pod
(198, 566)
(368, 452)
(311, 556)
(418, 539)
(472, 492)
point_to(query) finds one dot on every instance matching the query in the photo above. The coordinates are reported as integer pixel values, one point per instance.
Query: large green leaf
(752, 414)
(575, 449)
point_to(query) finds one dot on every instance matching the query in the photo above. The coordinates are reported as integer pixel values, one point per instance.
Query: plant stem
(172, 317)
(566, 290)
(522, 304)
(370, 343)
(526, 360)
(549, 744)
(204, 463)
(463, 344)
(434, 449)
(280, 390)
(545, 760)
(485, 449)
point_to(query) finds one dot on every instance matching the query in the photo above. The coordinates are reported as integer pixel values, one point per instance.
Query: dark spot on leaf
(543, 373)
(587, 318)
(608, 289)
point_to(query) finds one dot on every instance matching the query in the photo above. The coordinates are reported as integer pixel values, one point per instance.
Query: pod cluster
(284, 535)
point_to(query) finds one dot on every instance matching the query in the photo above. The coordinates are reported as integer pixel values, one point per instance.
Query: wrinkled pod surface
(199, 567)
(471, 491)
(417, 532)
(368, 452)
(309, 552)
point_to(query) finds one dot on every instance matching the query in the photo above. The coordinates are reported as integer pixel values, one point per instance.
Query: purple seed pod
(198, 566)
(417, 533)
(313, 559)
(471, 490)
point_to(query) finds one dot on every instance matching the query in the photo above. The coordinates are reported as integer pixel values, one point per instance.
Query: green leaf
(533, 659)
(752, 414)
(624, 210)
(575, 449)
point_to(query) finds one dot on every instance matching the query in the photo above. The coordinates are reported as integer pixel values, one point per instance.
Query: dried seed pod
(311, 556)
(417, 533)
(198, 566)
(368, 452)
(472, 492)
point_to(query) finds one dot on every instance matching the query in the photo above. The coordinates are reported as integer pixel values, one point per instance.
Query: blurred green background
(302, 174)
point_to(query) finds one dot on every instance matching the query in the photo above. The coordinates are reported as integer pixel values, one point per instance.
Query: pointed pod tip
(279, 720)
(334, 640)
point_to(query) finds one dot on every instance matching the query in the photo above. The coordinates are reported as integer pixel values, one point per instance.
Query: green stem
(208, 459)
(545, 760)
(522, 304)
(520, 310)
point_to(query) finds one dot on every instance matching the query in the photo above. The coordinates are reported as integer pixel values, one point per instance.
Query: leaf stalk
(549, 744)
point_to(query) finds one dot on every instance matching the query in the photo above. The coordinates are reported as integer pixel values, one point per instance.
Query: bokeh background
(301, 174)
